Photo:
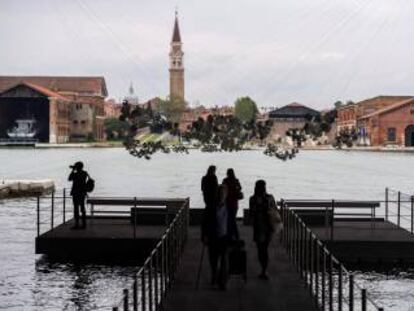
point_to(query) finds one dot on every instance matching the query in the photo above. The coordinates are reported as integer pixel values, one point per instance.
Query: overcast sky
(310, 51)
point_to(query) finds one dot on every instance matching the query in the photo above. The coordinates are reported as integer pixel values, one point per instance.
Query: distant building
(391, 125)
(191, 115)
(176, 64)
(382, 120)
(348, 115)
(292, 116)
(65, 108)
(112, 108)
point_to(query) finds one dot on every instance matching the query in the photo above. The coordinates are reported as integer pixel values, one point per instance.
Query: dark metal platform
(368, 242)
(285, 291)
(109, 236)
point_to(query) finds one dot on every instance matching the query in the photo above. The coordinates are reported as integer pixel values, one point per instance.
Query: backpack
(90, 185)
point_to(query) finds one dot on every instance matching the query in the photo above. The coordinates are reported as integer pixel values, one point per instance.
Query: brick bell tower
(176, 64)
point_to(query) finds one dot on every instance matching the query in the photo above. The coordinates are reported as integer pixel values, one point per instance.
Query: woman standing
(215, 236)
(234, 195)
(262, 207)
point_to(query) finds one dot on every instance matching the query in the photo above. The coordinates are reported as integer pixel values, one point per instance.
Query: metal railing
(53, 210)
(399, 208)
(154, 279)
(331, 285)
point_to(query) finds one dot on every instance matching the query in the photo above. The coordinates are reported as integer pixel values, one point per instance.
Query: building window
(391, 134)
(75, 121)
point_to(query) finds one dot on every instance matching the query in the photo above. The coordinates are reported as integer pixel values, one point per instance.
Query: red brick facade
(393, 125)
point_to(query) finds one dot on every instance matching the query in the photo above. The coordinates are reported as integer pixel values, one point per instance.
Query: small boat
(25, 129)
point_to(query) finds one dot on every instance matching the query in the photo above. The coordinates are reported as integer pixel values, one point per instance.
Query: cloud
(312, 51)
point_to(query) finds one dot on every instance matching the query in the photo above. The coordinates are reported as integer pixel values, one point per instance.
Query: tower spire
(176, 63)
(176, 32)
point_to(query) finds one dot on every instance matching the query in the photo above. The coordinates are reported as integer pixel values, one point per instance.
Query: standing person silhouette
(234, 194)
(260, 206)
(78, 192)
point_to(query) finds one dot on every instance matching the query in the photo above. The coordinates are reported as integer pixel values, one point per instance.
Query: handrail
(154, 279)
(329, 282)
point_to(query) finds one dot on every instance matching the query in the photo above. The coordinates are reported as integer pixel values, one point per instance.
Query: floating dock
(354, 234)
(24, 188)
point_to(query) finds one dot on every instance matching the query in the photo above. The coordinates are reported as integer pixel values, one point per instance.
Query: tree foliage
(172, 108)
(115, 128)
(245, 109)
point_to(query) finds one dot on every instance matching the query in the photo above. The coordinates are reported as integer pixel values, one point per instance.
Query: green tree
(116, 128)
(172, 108)
(245, 109)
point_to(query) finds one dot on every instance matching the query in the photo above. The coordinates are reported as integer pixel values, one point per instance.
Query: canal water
(31, 282)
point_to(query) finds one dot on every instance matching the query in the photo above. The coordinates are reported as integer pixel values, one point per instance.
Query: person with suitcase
(264, 214)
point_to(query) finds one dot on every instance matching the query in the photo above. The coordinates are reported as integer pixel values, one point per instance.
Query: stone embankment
(24, 188)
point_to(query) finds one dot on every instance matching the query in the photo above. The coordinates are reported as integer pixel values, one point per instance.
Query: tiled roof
(79, 85)
(293, 110)
(389, 108)
(38, 88)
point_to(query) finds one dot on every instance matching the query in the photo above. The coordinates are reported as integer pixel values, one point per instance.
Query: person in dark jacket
(209, 188)
(78, 177)
(216, 238)
(235, 194)
(259, 207)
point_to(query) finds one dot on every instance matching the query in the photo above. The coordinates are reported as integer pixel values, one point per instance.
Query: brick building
(382, 120)
(391, 125)
(65, 108)
(348, 115)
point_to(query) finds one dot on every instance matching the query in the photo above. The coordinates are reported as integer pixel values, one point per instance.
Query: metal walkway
(285, 290)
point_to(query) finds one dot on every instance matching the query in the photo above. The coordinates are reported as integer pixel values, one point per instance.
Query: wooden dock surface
(285, 291)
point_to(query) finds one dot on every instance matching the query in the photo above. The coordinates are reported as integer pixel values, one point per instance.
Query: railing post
(351, 292)
(399, 208)
(38, 215)
(412, 214)
(150, 301)
(330, 282)
(64, 205)
(52, 210)
(323, 279)
(332, 218)
(135, 293)
(340, 287)
(135, 215)
(317, 262)
(363, 299)
(143, 290)
(386, 203)
(126, 302)
(156, 280)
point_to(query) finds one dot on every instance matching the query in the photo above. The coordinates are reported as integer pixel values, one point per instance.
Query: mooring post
(351, 292)
(363, 299)
(399, 208)
(64, 205)
(386, 203)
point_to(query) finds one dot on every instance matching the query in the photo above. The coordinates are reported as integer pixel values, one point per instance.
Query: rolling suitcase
(238, 260)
